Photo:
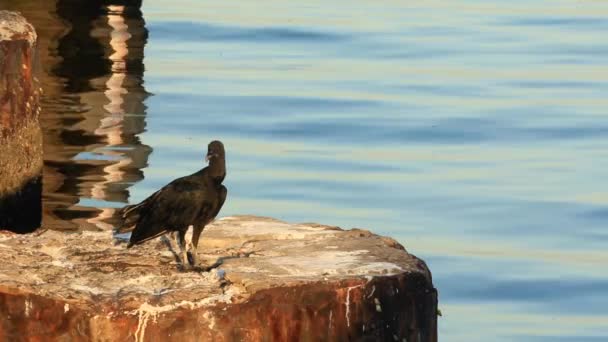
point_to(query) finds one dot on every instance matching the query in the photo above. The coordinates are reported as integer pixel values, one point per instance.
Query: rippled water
(475, 132)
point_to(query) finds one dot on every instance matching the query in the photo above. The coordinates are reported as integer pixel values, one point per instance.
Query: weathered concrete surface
(20, 135)
(273, 282)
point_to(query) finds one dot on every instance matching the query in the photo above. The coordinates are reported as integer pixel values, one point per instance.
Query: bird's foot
(185, 267)
(190, 263)
(192, 258)
(191, 268)
(185, 263)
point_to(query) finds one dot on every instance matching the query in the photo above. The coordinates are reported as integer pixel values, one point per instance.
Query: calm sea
(474, 132)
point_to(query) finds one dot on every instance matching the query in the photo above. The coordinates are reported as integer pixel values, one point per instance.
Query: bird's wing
(172, 208)
(222, 199)
(211, 207)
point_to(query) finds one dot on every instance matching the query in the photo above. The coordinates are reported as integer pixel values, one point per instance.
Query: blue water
(474, 132)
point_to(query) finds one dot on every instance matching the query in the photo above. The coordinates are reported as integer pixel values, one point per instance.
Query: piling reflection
(93, 109)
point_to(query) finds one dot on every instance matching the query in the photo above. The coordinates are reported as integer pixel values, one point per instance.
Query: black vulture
(191, 200)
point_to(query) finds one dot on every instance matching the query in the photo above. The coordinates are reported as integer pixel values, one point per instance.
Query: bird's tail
(130, 214)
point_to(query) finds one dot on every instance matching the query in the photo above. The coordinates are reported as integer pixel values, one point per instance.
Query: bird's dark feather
(129, 215)
(191, 200)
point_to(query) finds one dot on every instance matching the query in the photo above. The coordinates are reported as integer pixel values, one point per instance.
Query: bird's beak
(209, 156)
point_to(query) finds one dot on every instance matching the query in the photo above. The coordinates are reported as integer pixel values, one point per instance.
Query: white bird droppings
(347, 303)
(378, 307)
(28, 307)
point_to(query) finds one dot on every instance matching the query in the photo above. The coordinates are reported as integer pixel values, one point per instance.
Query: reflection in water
(92, 151)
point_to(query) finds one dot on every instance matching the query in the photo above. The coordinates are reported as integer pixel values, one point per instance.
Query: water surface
(473, 132)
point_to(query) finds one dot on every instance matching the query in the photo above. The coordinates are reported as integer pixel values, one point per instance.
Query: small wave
(189, 31)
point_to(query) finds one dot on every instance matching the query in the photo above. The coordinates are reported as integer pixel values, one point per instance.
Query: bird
(194, 200)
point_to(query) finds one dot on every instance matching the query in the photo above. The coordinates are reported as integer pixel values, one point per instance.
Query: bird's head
(215, 150)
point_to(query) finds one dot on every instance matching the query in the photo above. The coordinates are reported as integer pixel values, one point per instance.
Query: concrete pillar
(20, 134)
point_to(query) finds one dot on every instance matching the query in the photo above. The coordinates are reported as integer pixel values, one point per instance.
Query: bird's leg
(181, 240)
(168, 239)
(176, 239)
(189, 246)
(196, 233)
